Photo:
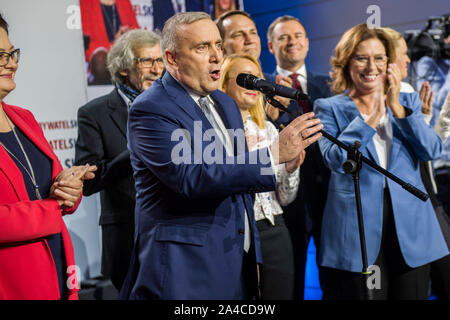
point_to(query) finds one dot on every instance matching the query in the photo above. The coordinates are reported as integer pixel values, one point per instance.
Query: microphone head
(245, 80)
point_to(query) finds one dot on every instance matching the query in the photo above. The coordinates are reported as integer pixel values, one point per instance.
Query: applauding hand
(68, 185)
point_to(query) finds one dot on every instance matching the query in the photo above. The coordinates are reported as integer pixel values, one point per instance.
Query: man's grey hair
(169, 38)
(121, 55)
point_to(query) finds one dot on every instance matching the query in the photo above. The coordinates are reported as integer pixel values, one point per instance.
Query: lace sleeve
(287, 183)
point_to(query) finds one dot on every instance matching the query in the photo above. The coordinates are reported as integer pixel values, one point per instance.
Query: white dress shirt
(302, 76)
(382, 139)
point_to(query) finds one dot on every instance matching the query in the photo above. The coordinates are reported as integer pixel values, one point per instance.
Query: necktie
(217, 126)
(223, 135)
(296, 85)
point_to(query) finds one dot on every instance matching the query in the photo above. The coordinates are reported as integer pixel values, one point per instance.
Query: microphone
(249, 81)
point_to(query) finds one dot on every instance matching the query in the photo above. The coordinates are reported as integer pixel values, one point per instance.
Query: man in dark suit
(288, 42)
(134, 63)
(195, 228)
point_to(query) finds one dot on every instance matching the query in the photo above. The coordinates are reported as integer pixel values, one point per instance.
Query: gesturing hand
(296, 137)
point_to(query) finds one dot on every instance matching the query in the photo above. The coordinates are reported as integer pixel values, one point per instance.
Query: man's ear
(171, 59)
(269, 45)
(124, 73)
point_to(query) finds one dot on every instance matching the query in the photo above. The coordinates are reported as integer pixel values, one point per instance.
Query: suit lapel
(351, 111)
(119, 112)
(178, 95)
(231, 119)
(396, 133)
(313, 89)
(9, 168)
(226, 115)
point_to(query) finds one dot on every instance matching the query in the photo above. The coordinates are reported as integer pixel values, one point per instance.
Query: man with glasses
(134, 62)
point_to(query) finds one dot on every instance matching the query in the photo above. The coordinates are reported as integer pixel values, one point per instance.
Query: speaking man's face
(198, 58)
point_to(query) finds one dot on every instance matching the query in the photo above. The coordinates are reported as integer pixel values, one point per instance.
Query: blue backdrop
(326, 21)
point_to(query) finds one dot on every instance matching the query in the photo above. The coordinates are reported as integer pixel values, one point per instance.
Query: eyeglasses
(149, 62)
(6, 56)
(363, 61)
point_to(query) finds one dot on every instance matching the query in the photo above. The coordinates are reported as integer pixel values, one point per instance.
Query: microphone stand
(352, 166)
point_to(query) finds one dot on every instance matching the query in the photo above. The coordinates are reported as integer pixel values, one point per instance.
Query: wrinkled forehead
(200, 31)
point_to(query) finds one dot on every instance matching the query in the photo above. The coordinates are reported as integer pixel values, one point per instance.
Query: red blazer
(27, 269)
(94, 27)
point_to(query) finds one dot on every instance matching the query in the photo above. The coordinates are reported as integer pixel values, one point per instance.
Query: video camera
(430, 41)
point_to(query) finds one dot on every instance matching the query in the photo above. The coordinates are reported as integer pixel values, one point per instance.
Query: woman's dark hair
(3, 23)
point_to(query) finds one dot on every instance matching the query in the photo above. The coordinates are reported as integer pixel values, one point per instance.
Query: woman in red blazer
(36, 253)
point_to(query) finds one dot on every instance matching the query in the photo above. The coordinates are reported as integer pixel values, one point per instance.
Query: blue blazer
(419, 235)
(189, 217)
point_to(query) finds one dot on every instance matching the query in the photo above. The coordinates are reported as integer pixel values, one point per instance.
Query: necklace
(30, 174)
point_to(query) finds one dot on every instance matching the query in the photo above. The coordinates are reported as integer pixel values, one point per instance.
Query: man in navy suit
(195, 235)
(288, 42)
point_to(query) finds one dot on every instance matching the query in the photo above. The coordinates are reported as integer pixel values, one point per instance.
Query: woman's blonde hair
(345, 51)
(394, 35)
(257, 111)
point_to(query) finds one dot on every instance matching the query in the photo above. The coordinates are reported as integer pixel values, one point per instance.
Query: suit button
(241, 231)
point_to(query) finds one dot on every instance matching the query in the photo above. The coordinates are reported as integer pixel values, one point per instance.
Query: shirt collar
(192, 94)
(285, 73)
(125, 98)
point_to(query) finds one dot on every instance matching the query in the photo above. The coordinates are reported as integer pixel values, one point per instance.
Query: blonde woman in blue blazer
(402, 233)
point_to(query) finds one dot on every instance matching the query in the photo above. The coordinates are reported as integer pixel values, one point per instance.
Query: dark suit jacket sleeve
(89, 149)
(153, 138)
